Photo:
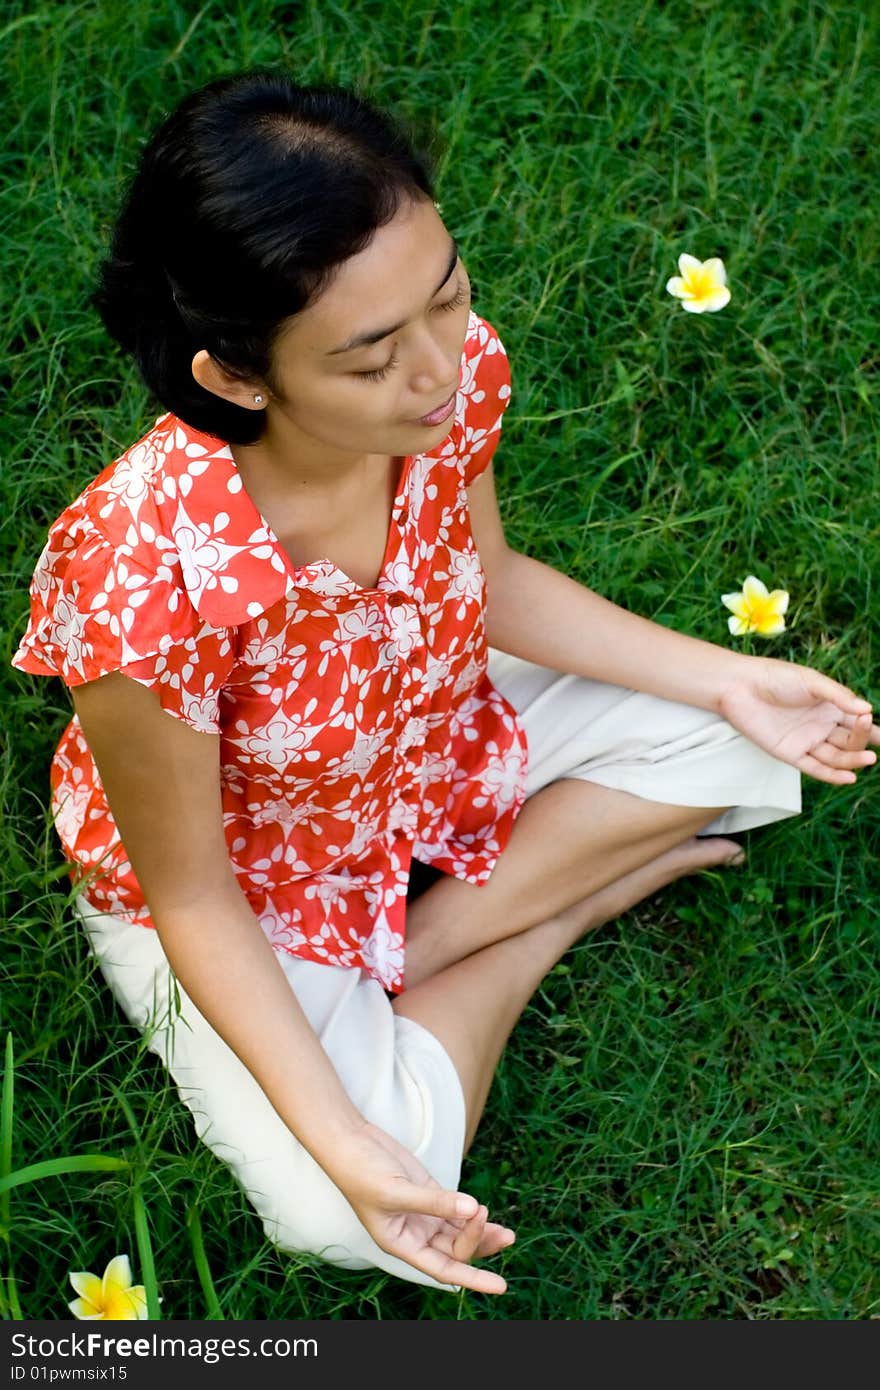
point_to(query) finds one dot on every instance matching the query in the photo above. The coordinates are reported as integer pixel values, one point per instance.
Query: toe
(715, 849)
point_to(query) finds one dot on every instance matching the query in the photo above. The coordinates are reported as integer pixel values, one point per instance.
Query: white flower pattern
(357, 727)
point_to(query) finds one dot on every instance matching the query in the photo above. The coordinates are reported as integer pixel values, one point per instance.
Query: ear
(214, 377)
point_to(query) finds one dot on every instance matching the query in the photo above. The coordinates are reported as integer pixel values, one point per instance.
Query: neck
(287, 464)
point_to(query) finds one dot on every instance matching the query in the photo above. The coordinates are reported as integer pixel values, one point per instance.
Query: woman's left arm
(539, 614)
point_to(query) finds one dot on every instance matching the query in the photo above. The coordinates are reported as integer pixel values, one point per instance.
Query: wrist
(740, 669)
(350, 1162)
(334, 1134)
(711, 673)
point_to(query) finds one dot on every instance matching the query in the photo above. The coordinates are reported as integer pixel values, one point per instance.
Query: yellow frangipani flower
(701, 286)
(112, 1298)
(756, 610)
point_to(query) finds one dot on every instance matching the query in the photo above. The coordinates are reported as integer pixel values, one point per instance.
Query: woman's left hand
(802, 718)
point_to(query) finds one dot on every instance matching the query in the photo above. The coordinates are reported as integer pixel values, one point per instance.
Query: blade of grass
(55, 1167)
(11, 1306)
(145, 1251)
(23, 19)
(194, 1222)
(6, 1102)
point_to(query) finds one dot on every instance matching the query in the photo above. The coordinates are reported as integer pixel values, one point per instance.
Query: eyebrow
(364, 339)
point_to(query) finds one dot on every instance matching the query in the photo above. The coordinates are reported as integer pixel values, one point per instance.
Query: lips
(438, 413)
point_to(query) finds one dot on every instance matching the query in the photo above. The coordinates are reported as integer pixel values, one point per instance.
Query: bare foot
(690, 857)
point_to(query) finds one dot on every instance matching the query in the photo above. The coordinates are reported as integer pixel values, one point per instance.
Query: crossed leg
(472, 1003)
(570, 840)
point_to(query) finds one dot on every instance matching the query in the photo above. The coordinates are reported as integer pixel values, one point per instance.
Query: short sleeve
(94, 610)
(485, 386)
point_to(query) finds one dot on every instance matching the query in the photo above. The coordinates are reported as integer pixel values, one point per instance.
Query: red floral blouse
(358, 728)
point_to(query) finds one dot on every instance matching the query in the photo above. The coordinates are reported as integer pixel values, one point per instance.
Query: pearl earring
(258, 400)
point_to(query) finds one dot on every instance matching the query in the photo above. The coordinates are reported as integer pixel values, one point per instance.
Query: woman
(302, 564)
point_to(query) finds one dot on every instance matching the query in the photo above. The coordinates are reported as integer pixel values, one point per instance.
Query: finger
(842, 735)
(854, 735)
(495, 1238)
(814, 768)
(466, 1242)
(852, 731)
(827, 689)
(483, 1238)
(838, 756)
(434, 1201)
(448, 1270)
(850, 719)
(860, 732)
(461, 1238)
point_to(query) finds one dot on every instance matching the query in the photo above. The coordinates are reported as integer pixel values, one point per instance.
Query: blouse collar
(234, 566)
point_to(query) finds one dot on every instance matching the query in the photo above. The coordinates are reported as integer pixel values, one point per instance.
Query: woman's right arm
(162, 782)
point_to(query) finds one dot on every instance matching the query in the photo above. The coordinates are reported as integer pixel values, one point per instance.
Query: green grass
(685, 1123)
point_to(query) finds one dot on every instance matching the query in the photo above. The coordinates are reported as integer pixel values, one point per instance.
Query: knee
(317, 1221)
(303, 1212)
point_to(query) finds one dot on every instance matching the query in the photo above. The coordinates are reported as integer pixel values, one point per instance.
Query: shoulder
(117, 499)
(94, 533)
(163, 548)
(484, 363)
(108, 587)
(484, 383)
(131, 500)
(170, 508)
(103, 545)
(483, 397)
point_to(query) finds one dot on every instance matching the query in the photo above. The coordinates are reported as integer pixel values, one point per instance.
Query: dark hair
(244, 202)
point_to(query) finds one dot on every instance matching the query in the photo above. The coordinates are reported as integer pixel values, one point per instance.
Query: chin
(429, 436)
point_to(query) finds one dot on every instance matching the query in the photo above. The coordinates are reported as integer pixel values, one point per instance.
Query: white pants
(396, 1072)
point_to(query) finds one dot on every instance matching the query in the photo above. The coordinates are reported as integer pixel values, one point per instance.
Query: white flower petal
(117, 1274)
(676, 286)
(688, 264)
(779, 598)
(716, 300)
(694, 306)
(87, 1285)
(138, 1297)
(737, 626)
(776, 625)
(736, 603)
(84, 1311)
(753, 589)
(126, 1311)
(715, 267)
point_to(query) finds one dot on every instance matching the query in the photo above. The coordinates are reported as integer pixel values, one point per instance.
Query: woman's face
(381, 347)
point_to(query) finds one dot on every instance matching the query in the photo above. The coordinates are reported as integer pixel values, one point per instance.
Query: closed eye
(456, 301)
(379, 373)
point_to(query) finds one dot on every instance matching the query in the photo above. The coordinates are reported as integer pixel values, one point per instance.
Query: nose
(437, 368)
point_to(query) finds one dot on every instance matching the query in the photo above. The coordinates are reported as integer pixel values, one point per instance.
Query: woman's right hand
(409, 1215)
(225, 963)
